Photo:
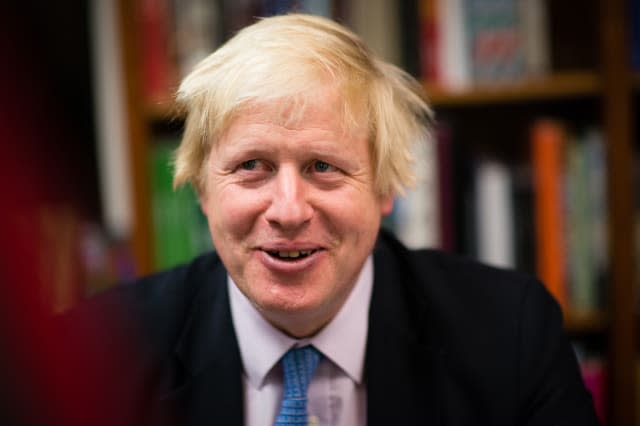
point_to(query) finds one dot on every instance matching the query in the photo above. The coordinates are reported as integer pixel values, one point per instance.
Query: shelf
(557, 86)
(585, 322)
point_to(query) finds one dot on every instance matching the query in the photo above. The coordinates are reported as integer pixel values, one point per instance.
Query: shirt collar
(342, 340)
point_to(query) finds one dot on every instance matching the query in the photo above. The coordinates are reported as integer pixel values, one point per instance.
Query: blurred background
(534, 162)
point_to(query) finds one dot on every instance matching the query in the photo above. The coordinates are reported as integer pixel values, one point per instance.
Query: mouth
(291, 255)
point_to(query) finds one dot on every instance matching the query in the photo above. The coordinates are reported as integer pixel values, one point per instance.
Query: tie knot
(299, 365)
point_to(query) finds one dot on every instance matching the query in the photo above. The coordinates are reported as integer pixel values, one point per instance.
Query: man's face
(293, 211)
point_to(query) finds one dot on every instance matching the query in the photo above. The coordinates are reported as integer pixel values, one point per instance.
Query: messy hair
(292, 58)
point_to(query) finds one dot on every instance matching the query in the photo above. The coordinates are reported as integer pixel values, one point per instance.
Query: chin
(299, 318)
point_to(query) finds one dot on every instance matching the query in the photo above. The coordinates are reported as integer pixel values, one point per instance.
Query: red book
(594, 375)
(548, 141)
(428, 39)
(159, 70)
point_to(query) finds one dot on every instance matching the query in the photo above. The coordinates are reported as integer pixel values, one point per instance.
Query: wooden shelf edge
(556, 86)
(586, 322)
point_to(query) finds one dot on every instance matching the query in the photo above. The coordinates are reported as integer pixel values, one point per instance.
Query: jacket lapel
(403, 356)
(210, 391)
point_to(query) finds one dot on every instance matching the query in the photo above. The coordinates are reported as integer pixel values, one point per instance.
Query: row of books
(546, 215)
(174, 35)
(450, 43)
(464, 42)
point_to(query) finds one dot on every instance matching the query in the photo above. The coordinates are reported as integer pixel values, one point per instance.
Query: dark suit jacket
(450, 342)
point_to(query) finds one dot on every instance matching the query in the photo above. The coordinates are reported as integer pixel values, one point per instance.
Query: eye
(322, 167)
(249, 165)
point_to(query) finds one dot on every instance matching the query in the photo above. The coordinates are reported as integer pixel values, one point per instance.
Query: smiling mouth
(290, 256)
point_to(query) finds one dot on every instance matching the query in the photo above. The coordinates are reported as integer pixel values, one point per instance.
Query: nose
(289, 208)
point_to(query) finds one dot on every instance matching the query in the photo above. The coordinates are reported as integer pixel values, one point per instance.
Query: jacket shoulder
(151, 309)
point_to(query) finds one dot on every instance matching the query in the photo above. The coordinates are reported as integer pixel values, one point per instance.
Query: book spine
(453, 51)
(586, 221)
(494, 214)
(415, 218)
(534, 30)
(598, 211)
(547, 147)
(179, 230)
(158, 66)
(494, 40)
(367, 17)
(428, 40)
(594, 375)
(197, 31)
(446, 188)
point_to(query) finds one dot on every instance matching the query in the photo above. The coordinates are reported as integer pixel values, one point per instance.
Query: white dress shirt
(337, 394)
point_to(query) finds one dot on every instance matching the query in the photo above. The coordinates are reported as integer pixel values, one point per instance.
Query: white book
(534, 30)
(111, 120)
(197, 31)
(377, 22)
(453, 52)
(416, 214)
(494, 214)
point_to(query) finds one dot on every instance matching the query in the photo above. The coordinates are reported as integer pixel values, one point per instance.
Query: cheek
(233, 212)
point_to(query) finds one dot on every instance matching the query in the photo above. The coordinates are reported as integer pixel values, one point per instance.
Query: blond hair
(292, 57)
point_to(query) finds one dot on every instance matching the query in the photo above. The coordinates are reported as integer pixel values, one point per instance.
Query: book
(585, 221)
(593, 140)
(494, 38)
(453, 58)
(494, 213)
(415, 219)
(159, 66)
(197, 31)
(594, 375)
(534, 35)
(429, 43)
(180, 230)
(579, 257)
(445, 170)
(443, 39)
(367, 18)
(523, 220)
(548, 141)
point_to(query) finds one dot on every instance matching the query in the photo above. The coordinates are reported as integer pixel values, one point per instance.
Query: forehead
(323, 110)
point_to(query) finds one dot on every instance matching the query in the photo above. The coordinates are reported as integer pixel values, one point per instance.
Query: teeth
(293, 254)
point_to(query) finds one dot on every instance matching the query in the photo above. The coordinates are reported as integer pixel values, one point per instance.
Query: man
(297, 139)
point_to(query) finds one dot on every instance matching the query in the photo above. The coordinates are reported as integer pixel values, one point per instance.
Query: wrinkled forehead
(327, 104)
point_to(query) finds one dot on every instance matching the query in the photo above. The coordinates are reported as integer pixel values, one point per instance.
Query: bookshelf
(609, 88)
(556, 86)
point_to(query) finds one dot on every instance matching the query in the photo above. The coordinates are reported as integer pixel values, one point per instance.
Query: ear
(386, 204)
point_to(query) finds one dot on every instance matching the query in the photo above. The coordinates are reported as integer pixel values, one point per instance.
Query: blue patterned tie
(298, 365)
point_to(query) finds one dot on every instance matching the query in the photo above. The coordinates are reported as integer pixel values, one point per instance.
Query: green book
(180, 229)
